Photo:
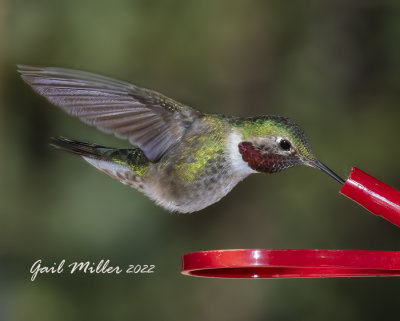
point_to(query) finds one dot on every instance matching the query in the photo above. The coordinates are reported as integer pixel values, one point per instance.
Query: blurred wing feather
(149, 120)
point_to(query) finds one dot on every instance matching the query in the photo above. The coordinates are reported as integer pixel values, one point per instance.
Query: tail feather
(78, 148)
(134, 156)
(126, 165)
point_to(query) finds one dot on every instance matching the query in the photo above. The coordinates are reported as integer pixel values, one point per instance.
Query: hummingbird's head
(272, 144)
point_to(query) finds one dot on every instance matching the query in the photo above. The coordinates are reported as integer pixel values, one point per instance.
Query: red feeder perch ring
(362, 188)
(277, 263)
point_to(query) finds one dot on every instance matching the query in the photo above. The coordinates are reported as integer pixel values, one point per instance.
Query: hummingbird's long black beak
(325, 169)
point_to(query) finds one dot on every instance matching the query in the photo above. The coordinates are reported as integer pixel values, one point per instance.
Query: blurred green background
(332, 66)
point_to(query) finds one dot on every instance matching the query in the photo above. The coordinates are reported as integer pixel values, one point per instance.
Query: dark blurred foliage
(332, 66)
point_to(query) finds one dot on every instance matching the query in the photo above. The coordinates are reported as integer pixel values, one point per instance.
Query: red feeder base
(274, 263)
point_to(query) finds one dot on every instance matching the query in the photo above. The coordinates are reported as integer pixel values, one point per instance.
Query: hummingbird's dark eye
(285, 145)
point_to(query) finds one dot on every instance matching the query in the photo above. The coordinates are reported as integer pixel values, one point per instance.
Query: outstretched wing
(149, 120)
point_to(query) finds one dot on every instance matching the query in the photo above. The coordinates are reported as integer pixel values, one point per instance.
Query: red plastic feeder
(362, 188)
(274, 263)
(377, 197)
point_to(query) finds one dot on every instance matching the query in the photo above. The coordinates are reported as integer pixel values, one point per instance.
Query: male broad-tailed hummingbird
(183, 159)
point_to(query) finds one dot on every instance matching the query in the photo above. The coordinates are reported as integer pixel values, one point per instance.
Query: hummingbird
(182, 159)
